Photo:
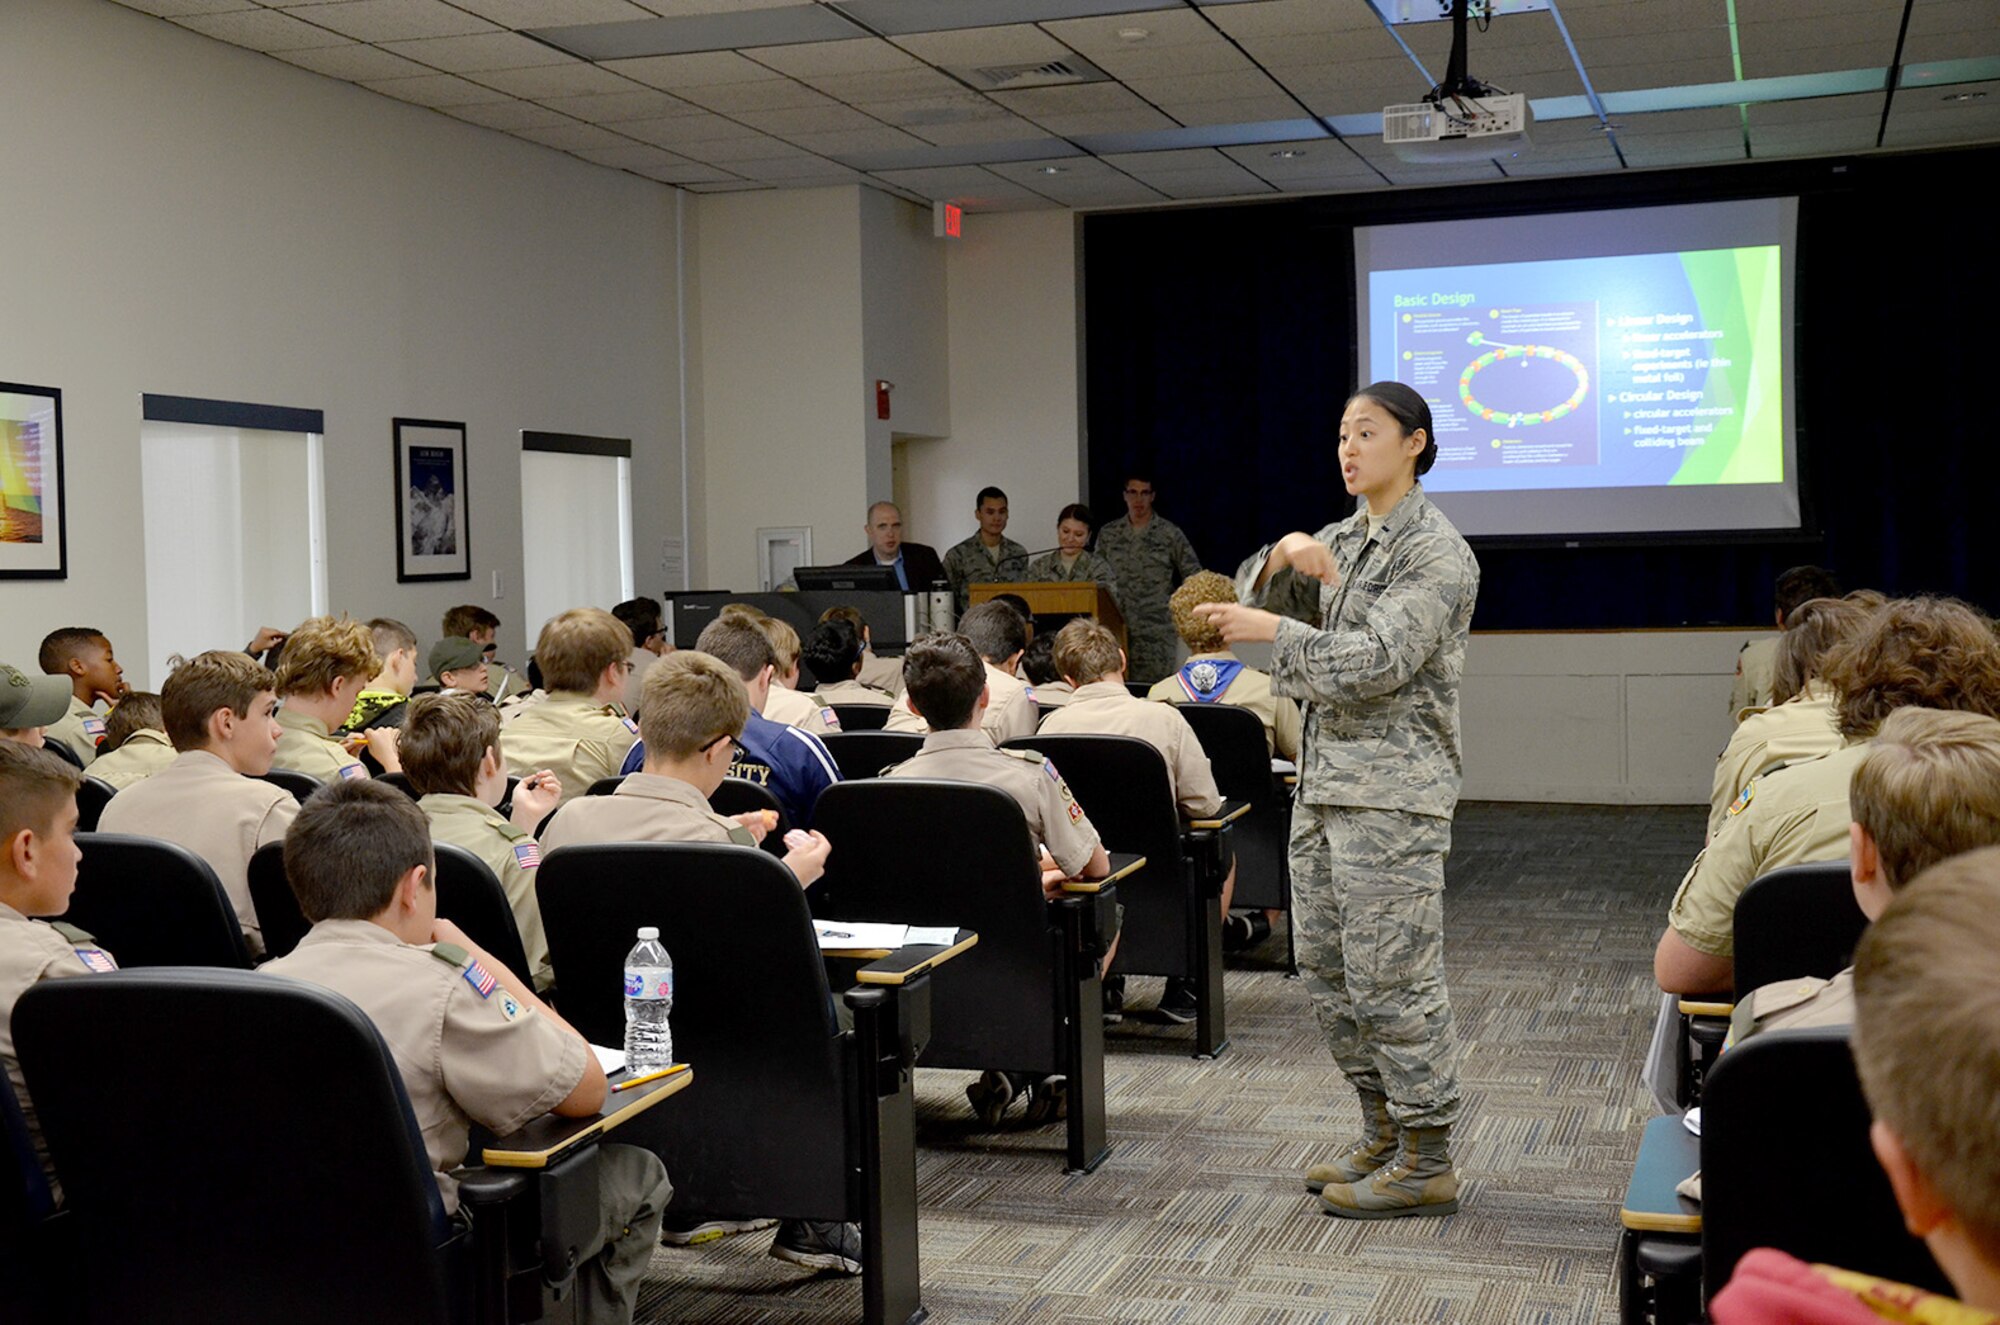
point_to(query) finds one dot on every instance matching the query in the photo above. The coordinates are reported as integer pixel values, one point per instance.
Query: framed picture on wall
(34, 539)
(432, 538)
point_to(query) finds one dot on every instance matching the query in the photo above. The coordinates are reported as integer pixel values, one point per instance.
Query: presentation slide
(1598, 372)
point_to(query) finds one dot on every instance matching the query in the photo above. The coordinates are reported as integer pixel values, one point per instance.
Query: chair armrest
(906, 964)
(485, 1186)
(549, 1138)
(1690, 1007)
(1098, 909)
(1230, 812)
(1667, 1153)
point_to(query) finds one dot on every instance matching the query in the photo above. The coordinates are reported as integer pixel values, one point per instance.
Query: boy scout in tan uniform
(471, 1040)
(28, 704)
(1107, 708)
(81, 655)
(580, 732)
(1801, 728)
(1014, 711)
(308, 747)
(326, 664)
(795, 709)
(139, 756)
(1228, 680)
(37, 828)
(856, 692)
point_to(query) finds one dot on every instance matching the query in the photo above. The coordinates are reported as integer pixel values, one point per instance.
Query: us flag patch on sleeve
(481, 979)
(93, 726)
(830, 718)
(354, 771)
(97, 959)
(527, 855)
(629, 724)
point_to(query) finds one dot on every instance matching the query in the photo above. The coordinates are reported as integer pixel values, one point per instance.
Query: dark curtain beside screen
(1219, 350)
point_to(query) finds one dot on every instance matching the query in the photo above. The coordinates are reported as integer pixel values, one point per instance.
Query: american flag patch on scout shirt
(630, 725)
(830, 718)
(479, 978)
(354, 771)
(527, 855)
(97, 959)
(93, 726)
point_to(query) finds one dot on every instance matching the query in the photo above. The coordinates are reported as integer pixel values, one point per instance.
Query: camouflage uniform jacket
(1151, 563)
(1380, 682)
(969, 563)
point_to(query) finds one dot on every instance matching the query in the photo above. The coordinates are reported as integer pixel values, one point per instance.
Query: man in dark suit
(917, 566)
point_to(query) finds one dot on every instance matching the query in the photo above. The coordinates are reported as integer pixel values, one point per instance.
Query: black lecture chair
(1786, 1163)
(62, 751)
(860, 718)
(186, 1211)
(1233, 739)
(400, 782)
(791, 1117)
(33, 1246)
(91, 798)
(920, 852)
(151, 903)
(1173, 913)
(740, 796)
(467, 895)
(605, 786)
(1797, 921)
(1139, 689)
(864, 754)
(301, 785)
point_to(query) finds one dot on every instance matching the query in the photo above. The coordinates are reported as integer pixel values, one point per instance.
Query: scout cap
(31, 701)
(454, 652)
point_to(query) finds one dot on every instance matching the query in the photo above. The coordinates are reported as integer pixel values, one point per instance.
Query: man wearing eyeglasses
(1152, 556)
(649, 643)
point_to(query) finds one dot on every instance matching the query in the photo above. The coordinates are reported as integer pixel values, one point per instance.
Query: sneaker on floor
(1244, 929)
(1178, 1004)
(1114, 999)
(819, 1245)
(990, 1096)
(694, 1232)
(1048, 1100)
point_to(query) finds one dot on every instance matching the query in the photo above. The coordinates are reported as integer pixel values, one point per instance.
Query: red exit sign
(947, 220)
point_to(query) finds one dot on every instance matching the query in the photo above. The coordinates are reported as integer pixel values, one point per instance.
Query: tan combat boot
(1420, 1182)
(1373, 1149)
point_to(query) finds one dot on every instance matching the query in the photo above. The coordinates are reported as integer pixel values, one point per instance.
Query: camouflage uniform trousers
(1368, 901)
(1151, 648)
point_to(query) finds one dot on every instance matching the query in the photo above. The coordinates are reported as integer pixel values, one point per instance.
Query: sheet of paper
(931, 936)
(1283, 766)
(860, 934)
(608, 1059)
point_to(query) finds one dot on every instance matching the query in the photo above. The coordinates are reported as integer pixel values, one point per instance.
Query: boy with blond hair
(451, 755)
(325, 664)
(211, 799)
(38, 859)
(580, 731)
(785, 703)
(136, 745)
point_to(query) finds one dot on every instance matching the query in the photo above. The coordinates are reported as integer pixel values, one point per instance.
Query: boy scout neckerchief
(1205, 679)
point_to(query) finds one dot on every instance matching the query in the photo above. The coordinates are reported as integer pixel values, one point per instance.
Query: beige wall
(188, 218)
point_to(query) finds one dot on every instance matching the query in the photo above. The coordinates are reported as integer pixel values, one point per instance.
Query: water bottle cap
(648, 932)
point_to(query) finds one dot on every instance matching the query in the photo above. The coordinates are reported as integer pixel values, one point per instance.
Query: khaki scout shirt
(305, 746)
(1379, 684)
(1800, 728)
(1790, 1005)
(1011, 712)
(881, 673)
(1788, 817)
(144, 753)
(468, 1050)
(1053, 695)
(511, 854)
(647, 807)
(571, 735)
(1055, 820)
(203, 804)
(1107, 708)
(31, 952)
(1250, 689)
(80, 729)
(1756, 675)
(853, 692)
(795, 709)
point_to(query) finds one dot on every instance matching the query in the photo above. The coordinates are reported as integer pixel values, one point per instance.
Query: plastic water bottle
(649, 1002)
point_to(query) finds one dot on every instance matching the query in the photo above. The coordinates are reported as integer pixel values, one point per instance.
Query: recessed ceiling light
(1051, 170)
(1289, 153)
(1133, 34)
(1961, 97)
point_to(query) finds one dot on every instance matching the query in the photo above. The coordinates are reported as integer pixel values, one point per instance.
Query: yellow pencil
(650, 1076)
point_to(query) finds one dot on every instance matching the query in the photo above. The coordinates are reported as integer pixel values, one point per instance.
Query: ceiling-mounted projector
(1461, 119)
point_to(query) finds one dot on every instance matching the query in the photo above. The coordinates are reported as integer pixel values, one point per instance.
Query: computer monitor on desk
(880, 579)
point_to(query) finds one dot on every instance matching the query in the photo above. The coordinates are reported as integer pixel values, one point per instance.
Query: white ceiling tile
(634, 156)
(519, 14)
(1183, 188)
(436, 90)
(1670, 148)
(478, 53)
(973, 47)
(728, 186)
(856, 142)
(507, 116)
(949, 181)
(1640, 48)
(886, 84)
(1035, 174)
(392, 20)
(813, 59)
(176, 8)
(1080, 97)
(690, 174)
(1216, 57)
(678, 131)
(1765, 60)
(261, 30)
(1877, 25)
(1205, 87)
(727, 151)
(683, 8)
(1962, 44)
(1852, 133)
(828, 118)
(1320, 50)
(354, 61)
(1813, 110)
(1003, 128)
(616, 107)
(1955, 16)
(701, 69)
(1248, 110)
(1083, 123)
(1666, 73)
(777, 170)
(1178, 159)
(1678, 121)
(573, 137)
(1166, 26)
(1286, 18)
(764, 94)
(574, 79)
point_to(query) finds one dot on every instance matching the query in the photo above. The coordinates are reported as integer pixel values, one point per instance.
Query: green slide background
(1737, 291)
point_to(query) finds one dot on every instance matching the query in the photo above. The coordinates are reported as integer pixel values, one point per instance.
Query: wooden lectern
(1065, 598)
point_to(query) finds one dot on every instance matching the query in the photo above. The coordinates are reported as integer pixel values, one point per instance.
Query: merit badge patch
(510, 1008)
(527, 855)
(1742, 802)
(97, 959)
(354, 771)
(481, 979)
(1075, 812)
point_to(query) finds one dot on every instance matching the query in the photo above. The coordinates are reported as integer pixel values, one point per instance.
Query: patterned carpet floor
(1198, 1217)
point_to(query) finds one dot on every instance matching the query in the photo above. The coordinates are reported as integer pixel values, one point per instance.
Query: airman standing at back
(1152, 556)
(989, 556)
